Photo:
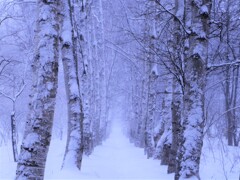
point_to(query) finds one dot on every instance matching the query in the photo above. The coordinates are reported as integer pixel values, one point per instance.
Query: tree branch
(169, 12)
(212, 67)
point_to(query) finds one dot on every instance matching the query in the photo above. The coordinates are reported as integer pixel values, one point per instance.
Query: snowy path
(116, 159)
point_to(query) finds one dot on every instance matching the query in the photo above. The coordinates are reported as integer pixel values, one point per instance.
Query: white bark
(101, 58)
(37, 134)
(74, 147)
(151, 108)
(162, 149)
(195, 66)
(14, 136)
(84, 31)
(177, 100)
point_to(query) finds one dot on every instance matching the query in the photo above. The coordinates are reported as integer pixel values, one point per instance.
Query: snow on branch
(214, 66)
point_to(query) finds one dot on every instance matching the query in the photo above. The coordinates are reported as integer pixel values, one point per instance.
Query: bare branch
(175, 17)
(212, 67)
(7, 96)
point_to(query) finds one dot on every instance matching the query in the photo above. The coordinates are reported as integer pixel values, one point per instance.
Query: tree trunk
(177, 100)
(235, 97)
(152, 74)
(14, 136)
(167, 119)
(96, 88)
(176, 126)
(230, 93)
(196, 46)
(74, 147)
(103, 66)
(38, 129)
(151, 108)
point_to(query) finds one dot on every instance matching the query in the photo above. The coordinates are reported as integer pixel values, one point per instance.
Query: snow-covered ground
(116, 158)
(219, 161)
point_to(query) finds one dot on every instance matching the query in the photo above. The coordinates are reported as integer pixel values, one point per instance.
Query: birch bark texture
(83, 24)
(177, 99)
(14, 136)
(195, 58)
(38, 131)
(74, 147)
(151, 108)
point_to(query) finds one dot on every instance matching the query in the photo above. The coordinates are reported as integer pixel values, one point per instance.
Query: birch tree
(197, 15)
(166, 138)
(74, 147)
(83, 24)
(177, 101)
(37, 136)
(151, 108)
(103, 65)
(98, 64)
(96, 85)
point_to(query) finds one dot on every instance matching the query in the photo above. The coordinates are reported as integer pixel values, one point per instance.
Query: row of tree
(186, 76)
(180, 65)
(70, 34)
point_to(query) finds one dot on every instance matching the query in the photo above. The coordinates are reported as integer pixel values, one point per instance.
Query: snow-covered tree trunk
(141, 93)
(99, 121)
(177, 99)
(176, 126)
(83, 42)
(102, 56)
(166, 139)
(96, 84)
(136, 123)
(142, 109)
(149, 142)
(195, 59)
(74, 147)
(38, 128)
(152, 72)
(14, 135)
(89, 100)
(163, 137)
(92, 83)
